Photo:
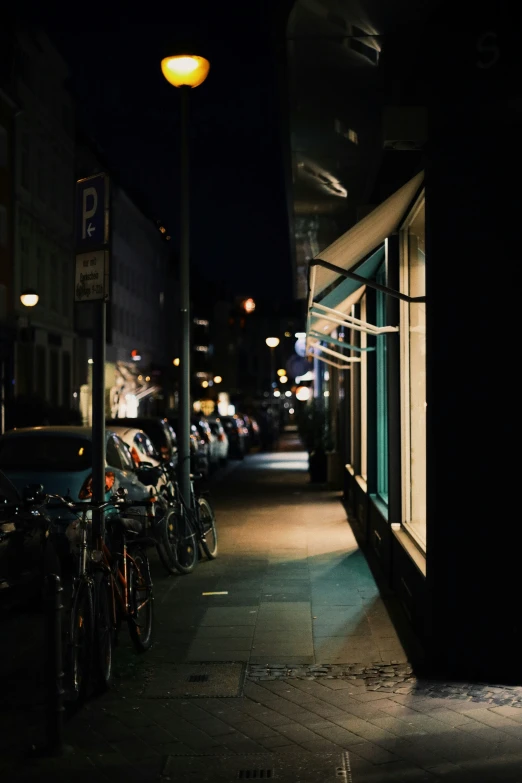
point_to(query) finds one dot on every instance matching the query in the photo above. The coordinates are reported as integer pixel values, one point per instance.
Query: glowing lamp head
(29, 298)
(217, 379)
(185, 70)
(175, 362)
(272, 342)
(249, 305)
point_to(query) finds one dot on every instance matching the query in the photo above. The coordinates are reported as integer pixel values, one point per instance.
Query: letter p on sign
(88, 211)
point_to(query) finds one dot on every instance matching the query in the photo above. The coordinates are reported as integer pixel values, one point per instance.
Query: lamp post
(184, 71)
(272, 343)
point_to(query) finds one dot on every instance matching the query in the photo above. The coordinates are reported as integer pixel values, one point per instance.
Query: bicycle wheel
(104, 630)
(141, 599)
(207, 521)
(166, 541)
(81, 636)
(180, 542)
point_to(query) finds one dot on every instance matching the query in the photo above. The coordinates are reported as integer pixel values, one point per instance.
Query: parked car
(221, 437)
(139, 443)
(159, 430)
(199, 457)
(252, 426)
(237, 436)
(60, 458)
(210, 439)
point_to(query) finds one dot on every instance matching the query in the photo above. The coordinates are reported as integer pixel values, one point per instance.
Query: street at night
(258, 392)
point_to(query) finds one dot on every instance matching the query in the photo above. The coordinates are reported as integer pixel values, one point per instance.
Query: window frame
(407, 523)
(381, 429)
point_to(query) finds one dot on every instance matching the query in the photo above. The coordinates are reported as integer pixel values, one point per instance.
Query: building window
(413, 374)
(55, 282)
(66, 289)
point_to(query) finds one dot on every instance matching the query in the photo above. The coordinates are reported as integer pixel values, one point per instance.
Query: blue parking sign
(92, 212)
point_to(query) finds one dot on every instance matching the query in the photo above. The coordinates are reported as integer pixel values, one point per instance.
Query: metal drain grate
(292, 767)
(204, 679)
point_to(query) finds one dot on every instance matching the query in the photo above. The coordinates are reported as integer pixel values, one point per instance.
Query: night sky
(239, 225)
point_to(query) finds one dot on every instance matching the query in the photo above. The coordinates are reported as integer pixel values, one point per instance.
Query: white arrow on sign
(89, 213)
(91, 229)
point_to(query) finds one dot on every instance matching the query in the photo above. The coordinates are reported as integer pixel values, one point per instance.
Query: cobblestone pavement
(320, 687)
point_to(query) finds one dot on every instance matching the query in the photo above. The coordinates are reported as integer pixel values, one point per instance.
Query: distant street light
(175, 362)
(249, 305)
(272, 343)
(217, 378)
(184, 71)
(29, 297)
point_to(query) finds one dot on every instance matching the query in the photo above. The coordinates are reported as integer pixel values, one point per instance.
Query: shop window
(363, 467)
(413, 374)
(382, 394)
(355, 396)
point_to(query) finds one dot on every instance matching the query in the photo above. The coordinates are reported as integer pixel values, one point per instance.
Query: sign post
(92, 285)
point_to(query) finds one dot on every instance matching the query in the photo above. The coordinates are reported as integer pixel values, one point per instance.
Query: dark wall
(473, 243)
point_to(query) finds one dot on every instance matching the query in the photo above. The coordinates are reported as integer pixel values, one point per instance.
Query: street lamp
(185, 71)
(29, 297)
(272, 343)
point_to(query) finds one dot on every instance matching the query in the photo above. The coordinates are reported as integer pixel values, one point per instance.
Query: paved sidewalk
(279, 660)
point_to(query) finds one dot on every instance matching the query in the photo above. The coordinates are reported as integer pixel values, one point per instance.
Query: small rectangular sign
(92, 276)
(92, 212)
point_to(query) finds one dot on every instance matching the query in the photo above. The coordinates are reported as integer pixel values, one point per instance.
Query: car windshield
(45, 453)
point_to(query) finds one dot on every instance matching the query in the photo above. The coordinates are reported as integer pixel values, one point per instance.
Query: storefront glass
(382, 396)
(413, 361)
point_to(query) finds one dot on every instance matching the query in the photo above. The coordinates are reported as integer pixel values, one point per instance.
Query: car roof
(63, 430)
(124, 430)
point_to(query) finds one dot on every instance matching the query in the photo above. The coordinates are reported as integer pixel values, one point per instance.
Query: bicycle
(187, 529)
(112, 583)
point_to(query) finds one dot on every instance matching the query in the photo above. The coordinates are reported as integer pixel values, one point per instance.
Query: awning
(360, 250)
(362, 239)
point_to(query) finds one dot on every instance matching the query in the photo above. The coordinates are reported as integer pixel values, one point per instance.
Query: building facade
(7, 323)
(398, 326)
(140, 321)
(43, 220)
